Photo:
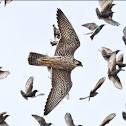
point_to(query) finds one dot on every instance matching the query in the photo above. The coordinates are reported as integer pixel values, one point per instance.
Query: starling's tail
(92, 36)
(24, 95)
(32, 59)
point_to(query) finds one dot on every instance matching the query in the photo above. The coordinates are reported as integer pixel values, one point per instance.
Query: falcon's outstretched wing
(69, 40)
(61, 84)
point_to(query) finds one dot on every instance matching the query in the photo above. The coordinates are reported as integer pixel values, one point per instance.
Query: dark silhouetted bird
(41, 121)
(124, 37)
(3, 74)
(94, 28)
(112, 71)
(93, 92)
(53, 43)
(124, 114)
(108, 119)
(56, 32)
(28, 89)
(69, 120)
(106, 12)
(7, 2)
(62, 63)
(119, 61)
(2, 119)
(106, 52)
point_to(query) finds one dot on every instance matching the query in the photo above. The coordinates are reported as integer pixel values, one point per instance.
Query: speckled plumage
(62, 62)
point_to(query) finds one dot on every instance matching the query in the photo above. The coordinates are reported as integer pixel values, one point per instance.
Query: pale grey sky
(27, 27)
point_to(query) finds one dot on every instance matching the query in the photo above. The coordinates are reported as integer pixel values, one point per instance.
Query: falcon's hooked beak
(79, 64)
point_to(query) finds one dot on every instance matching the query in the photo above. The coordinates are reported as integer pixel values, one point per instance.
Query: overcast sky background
(27, 27)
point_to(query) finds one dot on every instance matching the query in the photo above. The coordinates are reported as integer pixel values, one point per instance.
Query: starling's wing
(69, 120)
(108, 119)
(100, 82)
(120, 58)
(90, 26)
(110, 21)
(61, 84)
(115, 79)
(69, 40)
(124, 31)
(7, 2)
(124, 39)
(4, 124)
(2, 113)
(29, 85)
(105, 4)
(105, 51)
(124, 115)
(40, 119)
(102, 2)
(4, 74)
(112, 62)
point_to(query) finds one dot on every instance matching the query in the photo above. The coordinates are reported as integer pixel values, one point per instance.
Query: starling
(3, 74)
(108, 119)
(28, 89)
(53, 43)
(69, 120)
(106, 12)
(94, 28)
(56, 32)
(93, 92)
(112, 71)
(7, 2)
(62, 63)
(124, 114)
(2, 119)
(124, 37)
(41, 121)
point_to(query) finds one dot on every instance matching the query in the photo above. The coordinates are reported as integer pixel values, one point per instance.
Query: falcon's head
(77, 63)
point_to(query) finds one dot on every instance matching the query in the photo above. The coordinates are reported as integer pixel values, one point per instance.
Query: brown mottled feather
(69, 40)
(61, 85)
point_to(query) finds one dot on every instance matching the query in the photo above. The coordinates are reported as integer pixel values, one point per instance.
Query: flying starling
(106, 12)
(62, 63)
(69, 120)
(41, 121)
(3, 116)
(28, 89)
(3, 74)
(94, 28)
(112, 71)
(124, 37)
(93, 92)
(108, 119)
(56, 32)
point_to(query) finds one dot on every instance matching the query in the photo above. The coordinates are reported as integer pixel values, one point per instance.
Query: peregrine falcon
(62, 63)
(93, 92)
(94, 28)
(41, 121)
(28, 89)
(106, 12)
(2, 119)
(108, 119)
